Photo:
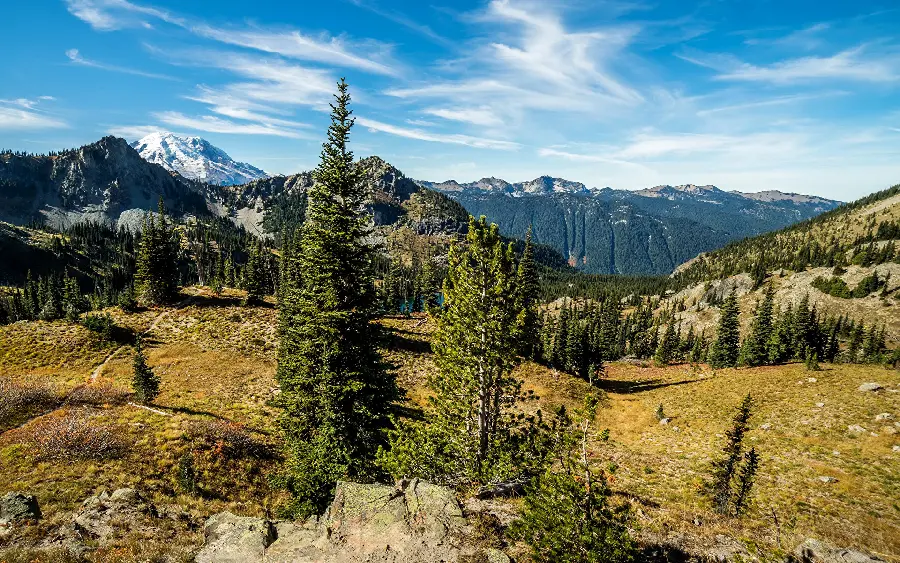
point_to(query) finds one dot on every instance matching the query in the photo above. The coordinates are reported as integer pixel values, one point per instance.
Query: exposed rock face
(124, 510)
(870, 387)
(411, 522)
(195, 159)
(19, 506)
(814, 551)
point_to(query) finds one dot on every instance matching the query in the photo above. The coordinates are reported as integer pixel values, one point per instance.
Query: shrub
(17, 401)
(187, 475)
(97, 394)
(229, 440)
(128, 301)
(74, 436)
(101, 324)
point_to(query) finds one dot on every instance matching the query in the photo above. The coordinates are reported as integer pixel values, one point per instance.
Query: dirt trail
(99, 369)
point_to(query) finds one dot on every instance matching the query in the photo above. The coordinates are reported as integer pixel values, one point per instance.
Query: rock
(856, 428)
(883, 417)
(765, 426)
(19, 506)
(230, 538)
(896, 449)
(872, 387)
(811, 380)
(820, 405)
(828, 479)
(665, 421)
(103, 516)
(814, 551)
(412, 522)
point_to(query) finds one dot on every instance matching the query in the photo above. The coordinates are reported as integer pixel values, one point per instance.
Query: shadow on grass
(629, 387)
(207, 301)
(399, 343)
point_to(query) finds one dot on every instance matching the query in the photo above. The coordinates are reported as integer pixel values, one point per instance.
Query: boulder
(884, 417)
(412, 522)
(19, 506)
(230, 538)
(870, 387)
(856, 429)
(814, 551)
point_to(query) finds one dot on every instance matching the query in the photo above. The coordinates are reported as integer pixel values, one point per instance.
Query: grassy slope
(216, 359)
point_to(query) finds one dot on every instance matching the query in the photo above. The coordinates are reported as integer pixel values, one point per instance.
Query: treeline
(807, 244)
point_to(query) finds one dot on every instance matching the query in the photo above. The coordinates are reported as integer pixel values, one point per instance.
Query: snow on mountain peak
(195, 158)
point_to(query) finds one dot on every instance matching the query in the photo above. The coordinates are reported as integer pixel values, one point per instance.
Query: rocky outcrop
(410, 522)
(814, 551)
(19, 506)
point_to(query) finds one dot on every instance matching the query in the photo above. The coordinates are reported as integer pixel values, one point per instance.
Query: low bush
(229, 440)
(19, 401)
(101, 324)
(74, 436)
(97, 394)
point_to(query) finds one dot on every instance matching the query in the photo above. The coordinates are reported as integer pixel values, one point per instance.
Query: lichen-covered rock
(230, 538)
(106, 515)
(870, 387)
(814, 551)
(412, 522)
(19, 506)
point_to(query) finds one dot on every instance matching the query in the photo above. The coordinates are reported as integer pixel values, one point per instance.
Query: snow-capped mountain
(196, 159)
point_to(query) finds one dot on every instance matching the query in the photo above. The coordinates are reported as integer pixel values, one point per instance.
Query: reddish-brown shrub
(97, 394)
(227, 439)
(74, 436)
(18, 401)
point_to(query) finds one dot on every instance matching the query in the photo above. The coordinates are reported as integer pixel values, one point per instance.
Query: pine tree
(336, 395)
(754, 352)
(726, 468)
(156, 279)
(472, 432)
(726, 348)
(527, 325)
(144, 382)
(666, 350)
(567, 516)
(253, 274)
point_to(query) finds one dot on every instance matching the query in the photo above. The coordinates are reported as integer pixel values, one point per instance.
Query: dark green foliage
(567, 516)
(336, 396)
(144, 382)
(668, 347)
(156, 278)
(726, 348)
(755, 350)
(732, 480)
(102, 324)
(187, 474)
(832, 286)
(254, 274)
(473, 431)
(527, 288)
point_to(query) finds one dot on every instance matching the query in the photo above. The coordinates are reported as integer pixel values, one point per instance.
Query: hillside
(864, 232)
(217, 364)
(647, 232)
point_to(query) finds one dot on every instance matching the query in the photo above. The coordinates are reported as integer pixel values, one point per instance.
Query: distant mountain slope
(195, 159)
(865, 233)
(102, 181)
(610, 231)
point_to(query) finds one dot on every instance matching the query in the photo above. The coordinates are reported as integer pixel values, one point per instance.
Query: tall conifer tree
(156, 279)
(755, 349)
(527, 288)
(336, 395)
(726, 349)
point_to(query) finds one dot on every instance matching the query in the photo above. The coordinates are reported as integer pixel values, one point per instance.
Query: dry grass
(209, 373)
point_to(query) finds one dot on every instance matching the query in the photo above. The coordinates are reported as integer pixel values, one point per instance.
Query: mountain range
(596, 230)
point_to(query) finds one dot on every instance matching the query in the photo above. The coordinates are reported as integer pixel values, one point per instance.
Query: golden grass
(210, 369)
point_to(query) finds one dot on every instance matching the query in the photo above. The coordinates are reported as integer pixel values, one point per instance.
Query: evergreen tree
(567, 516)
(473, 431)
(527, 326)
(667, 348)
(726, 348)
(144, 382)
(754, 351)
(254, 274)
(156, 279)
(336, 395)
(727, 470)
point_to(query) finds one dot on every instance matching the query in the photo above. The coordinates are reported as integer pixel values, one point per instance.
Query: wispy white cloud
(405, 21)
(23, 114)
(484, 115)
(422, 135)
(213, 124)
(111, 15)
(854, 64)
(75, 56)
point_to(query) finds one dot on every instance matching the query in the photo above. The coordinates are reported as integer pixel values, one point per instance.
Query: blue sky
(750, 95)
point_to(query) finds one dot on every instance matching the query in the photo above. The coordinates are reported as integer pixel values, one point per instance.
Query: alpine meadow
(303, 354)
